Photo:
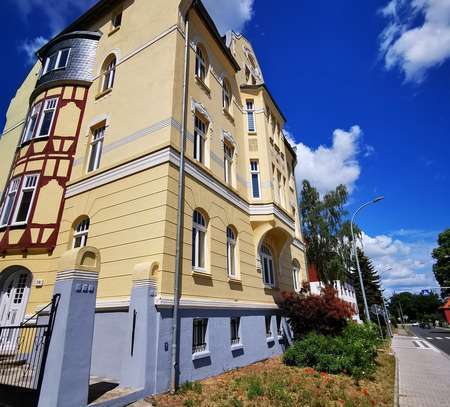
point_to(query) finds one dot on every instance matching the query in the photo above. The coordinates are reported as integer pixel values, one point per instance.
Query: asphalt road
(438, 337)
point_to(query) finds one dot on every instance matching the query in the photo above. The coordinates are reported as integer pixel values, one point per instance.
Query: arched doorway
(15, 284)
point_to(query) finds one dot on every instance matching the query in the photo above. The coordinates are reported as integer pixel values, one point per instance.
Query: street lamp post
(355, 252)
(386, 313)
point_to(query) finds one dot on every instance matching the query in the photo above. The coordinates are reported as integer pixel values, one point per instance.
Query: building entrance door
(13, 301)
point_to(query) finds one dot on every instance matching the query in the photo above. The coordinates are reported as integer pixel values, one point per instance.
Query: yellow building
(91, 157)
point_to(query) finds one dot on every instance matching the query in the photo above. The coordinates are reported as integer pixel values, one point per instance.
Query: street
(438, 337)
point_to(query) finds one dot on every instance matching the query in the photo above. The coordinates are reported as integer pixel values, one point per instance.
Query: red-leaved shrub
(325, 314)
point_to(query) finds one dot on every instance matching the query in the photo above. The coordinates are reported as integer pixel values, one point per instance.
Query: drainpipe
(180, 213)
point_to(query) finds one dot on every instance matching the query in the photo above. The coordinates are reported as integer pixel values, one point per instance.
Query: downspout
(180, 213)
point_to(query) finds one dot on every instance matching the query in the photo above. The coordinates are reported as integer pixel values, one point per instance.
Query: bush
(324, 314)
(353, 352)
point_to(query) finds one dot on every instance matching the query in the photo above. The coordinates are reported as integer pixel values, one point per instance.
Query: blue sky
(365, 87)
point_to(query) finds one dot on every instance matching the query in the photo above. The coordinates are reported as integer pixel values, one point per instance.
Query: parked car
(425, 325)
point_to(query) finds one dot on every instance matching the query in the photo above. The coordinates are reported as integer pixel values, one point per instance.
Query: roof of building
(83, 22)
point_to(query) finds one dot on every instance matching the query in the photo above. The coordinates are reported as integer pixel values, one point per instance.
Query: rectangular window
(235, 323)
(268, 320)
(279, 327)
(31, 122)
(250, 116)
(25, 200)
(117, 20)
(228, 153)
(199, 139)
(47, 117)
(9, 201)
(96, 149)
(254, 170)
(57, 60)
(200, 326)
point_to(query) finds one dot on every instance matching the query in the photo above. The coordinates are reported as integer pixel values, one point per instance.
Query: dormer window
(57, 60)
(116, 21)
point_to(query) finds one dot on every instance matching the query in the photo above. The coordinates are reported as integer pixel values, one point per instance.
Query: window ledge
(270, 339)
(114, 30)
(280, 337)
(201, 355)
(235, 280)
(238, 346)
(252, 133)
(202, 84)
(227, 113)
(103, 93)
(197, 271)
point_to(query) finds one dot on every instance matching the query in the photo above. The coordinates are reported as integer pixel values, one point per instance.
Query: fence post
(140, 349)
(66, 374)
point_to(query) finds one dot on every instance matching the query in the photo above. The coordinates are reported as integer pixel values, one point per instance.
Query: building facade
(91, 158)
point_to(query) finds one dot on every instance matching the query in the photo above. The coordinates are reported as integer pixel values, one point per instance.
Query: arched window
(296, 275)
(199, 228)
(109, 73)
(268, 269)
(201, 67)
(231, 252)
(80, 235)
(226, 95)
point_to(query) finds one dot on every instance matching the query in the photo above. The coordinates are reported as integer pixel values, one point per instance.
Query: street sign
(376, 309)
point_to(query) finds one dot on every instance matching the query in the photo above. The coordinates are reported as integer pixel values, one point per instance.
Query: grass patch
(272, 384)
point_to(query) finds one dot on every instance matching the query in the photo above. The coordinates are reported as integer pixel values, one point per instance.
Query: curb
(396, 384)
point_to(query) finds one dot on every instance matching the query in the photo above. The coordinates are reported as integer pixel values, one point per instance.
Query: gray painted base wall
(107, 348)
(255, 346)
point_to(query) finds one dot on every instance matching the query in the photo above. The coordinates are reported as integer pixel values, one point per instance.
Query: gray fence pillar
(66, 376)
(139, 357)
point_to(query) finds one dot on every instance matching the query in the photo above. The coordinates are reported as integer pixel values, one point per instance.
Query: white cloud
(410, 261)
(230, 14)
(57, 14)
(327, 167)
(417, 36)
(31, 46)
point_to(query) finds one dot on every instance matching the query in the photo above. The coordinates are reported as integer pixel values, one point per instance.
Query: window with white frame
(109, 75)
(80, 235)
(47, 117)
(199, 228)
(8, 203)
(116, 21)
(57, 60)
(231, 252)
(200, 64)
(199, 139)
(226, 95)
(235, 325)
(228, 154)
(267, 263)
(96, 148)
(268, 320)
(25, 200)
(296, 276)
(256, 185)
(199, 335)
(32, 121)
(251, 116)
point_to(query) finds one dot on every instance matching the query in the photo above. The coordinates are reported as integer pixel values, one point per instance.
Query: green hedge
(353, 352)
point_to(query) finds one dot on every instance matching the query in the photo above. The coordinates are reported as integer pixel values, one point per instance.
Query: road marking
(429, 337)
(447, 337)
(438, 337)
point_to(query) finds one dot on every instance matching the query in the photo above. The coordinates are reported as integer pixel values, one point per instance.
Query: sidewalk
(423, 371)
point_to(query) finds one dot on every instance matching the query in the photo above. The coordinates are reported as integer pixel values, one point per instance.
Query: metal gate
(23, 353)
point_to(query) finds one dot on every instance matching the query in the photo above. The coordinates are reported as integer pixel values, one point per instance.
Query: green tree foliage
(441, 268)
(326, 231)
(371, 282)
(416, 307)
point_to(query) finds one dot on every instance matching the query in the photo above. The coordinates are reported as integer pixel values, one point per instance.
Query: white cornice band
(77, 275)
(170, 155)
(199, 303)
